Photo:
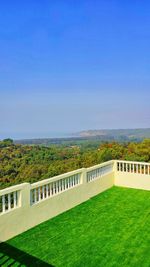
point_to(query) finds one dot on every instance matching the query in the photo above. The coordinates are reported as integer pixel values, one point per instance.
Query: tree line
(31, 163)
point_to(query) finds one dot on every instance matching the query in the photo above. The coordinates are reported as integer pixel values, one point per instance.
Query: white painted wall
(132, 180)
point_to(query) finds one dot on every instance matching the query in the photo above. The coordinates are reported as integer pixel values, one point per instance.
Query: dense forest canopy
(27, 163)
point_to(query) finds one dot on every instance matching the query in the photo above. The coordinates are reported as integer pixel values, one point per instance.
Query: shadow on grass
(10, 256)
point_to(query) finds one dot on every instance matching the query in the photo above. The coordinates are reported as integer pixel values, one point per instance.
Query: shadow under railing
(12, 256)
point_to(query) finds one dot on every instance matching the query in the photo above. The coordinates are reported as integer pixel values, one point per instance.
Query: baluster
(76, 176)
(72, 180)
(57, 187)
(75, 179)
(43, 193)
(53, 188)
(3, 204)
(60, 185)
(39, 194)
(9, 202)
(123, 167)
(64, 184)
(140, 169)
(79, 178)
(50, 189)
(15, 199)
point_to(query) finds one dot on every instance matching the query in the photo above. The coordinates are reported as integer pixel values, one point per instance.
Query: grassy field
(111, 229)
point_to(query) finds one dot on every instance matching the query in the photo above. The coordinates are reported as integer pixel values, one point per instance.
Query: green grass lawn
(111, 229)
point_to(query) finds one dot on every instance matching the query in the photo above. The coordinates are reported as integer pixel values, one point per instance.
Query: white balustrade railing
(133, 167)
(97, 171)
(11, 197)
(9, 201)
(54, 186)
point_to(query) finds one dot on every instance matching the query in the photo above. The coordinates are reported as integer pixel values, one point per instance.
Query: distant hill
(120, 135)
(117, 133)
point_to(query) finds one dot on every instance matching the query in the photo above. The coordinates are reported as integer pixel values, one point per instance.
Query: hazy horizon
(21, 136)
(67, 66)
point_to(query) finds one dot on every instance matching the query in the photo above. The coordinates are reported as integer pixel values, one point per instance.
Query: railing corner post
(83, 176)
(115, 166)
(25, 195)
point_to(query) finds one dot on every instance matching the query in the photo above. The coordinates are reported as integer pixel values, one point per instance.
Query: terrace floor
(111, 229)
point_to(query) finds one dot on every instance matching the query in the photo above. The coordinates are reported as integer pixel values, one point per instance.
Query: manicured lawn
(111, 229)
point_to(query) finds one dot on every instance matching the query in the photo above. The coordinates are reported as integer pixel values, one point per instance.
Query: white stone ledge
(13, 188)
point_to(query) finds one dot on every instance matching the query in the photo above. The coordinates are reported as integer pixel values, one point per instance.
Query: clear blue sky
(67, 66)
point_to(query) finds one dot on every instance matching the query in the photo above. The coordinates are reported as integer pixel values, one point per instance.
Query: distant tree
(6, 142)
